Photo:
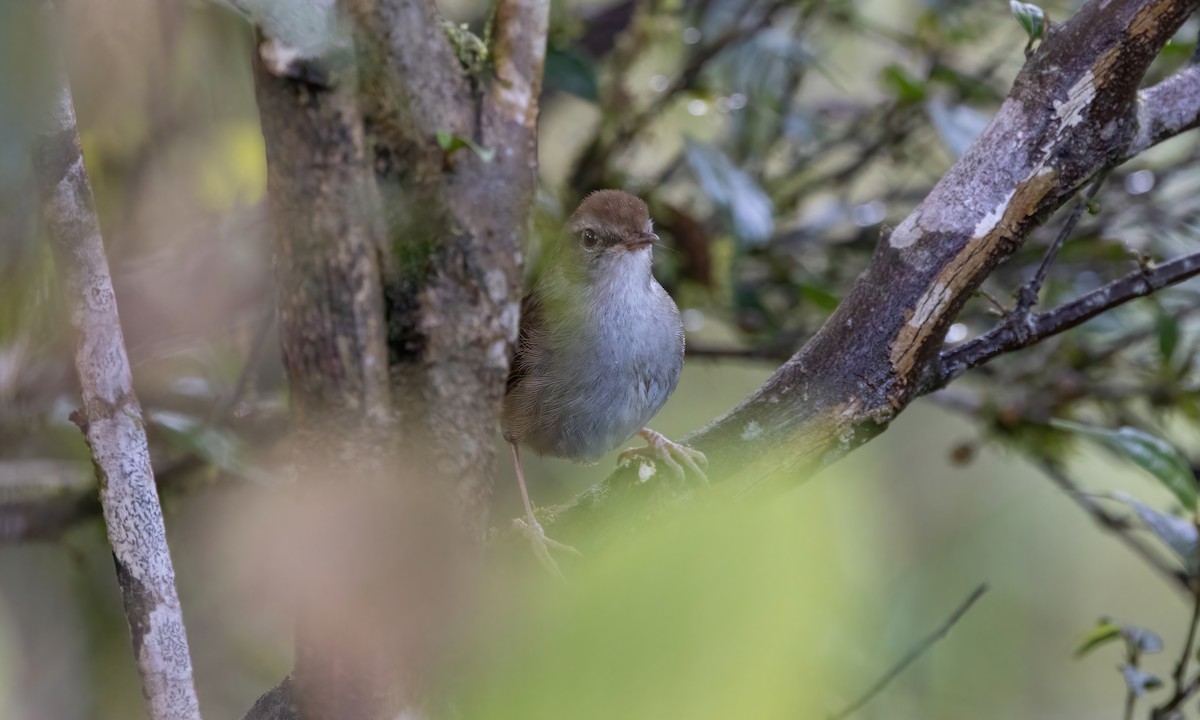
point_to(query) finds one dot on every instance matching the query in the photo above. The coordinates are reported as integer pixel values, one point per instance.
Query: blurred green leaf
(1139, 681)
(570, 71)
(819, 297)
(1176, 533)
(900, 83)
(1031, 18)
(1105, 632)
(450, 144)
(1166, 327)
(1154, 455)
(722, 612)
(750, 212)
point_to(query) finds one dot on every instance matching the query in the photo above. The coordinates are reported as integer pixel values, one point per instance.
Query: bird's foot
(670, 453)
(542, 545)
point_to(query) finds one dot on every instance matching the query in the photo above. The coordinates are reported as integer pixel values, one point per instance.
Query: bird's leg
(532, 529)
(672, 454)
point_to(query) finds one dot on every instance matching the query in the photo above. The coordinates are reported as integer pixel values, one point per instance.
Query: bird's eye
(589, 239)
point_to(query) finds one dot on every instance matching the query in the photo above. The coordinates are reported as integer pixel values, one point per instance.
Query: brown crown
(614, 209)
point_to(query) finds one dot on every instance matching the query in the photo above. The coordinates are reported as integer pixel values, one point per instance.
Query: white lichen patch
(1079, 98)
(907, 232)
(646, 470)
(514, 93)
(989, 222)
(752, 431)
(496, 284)
(498, 354)
(930, 305)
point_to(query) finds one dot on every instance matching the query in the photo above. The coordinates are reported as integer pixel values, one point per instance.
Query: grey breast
(585, 384)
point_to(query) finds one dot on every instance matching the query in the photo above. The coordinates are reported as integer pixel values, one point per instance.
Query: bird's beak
(639, 241)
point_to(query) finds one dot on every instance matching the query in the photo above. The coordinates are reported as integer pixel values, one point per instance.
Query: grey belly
(581, 418)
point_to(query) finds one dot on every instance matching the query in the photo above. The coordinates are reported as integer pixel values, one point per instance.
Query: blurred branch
(1183, 689)
(1009, 337)
(111, 420)
(40, 499)
(917, 651)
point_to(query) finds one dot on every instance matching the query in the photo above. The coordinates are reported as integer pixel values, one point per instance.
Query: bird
(600, 349)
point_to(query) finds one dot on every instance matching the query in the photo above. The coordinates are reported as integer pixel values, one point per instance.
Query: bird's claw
(542, 545)
(672, 454)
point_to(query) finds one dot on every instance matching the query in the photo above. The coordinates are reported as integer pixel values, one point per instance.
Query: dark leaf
(1167, 329)
(900, 83)
(1154, 455)
(570, 71)
(1176, 533)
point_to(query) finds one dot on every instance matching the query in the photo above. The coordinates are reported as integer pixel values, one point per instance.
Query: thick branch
(519, 54)
(111, 420)
(1008, 338)
(1071, 113)
(410, 75)
(1165, 110)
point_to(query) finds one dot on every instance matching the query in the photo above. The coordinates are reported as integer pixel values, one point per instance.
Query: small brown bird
(600, 349)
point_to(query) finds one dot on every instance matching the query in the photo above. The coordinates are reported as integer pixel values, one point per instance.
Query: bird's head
(610, 225)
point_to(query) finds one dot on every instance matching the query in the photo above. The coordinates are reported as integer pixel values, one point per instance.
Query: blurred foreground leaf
(713, 613)
(1154, 455)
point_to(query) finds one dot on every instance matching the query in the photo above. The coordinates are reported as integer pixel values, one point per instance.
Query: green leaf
(1167, 329)
(1105, 632)
(570, 71)
(1031, 18)
(1154, 455)
(1139, 681)
(450, 144)
(904, 86)
(819, 297)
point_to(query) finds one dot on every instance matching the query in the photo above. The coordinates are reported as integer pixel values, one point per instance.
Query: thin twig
(916, 652)
(1027, 297)
(1184, 691)
(1038, 327)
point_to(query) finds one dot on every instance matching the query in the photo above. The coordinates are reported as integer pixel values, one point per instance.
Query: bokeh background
(773, 142)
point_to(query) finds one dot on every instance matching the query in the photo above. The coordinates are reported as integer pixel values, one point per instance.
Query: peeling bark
(111, 420)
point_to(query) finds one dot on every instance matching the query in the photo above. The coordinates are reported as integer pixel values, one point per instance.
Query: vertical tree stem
(111, 420)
